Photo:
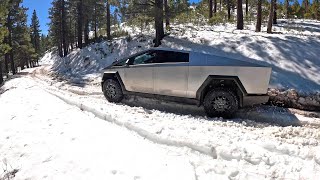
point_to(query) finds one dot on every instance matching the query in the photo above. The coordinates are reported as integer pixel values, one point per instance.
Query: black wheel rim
(111, 91)
(221, 104)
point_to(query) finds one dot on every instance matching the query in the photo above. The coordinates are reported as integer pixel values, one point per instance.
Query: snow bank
(291, 52)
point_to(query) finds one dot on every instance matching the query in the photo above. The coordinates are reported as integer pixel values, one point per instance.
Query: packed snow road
(45, 137)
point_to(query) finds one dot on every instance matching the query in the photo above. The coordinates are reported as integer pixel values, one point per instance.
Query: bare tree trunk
(210, 9)
(239, 15)
(247, 8)
(64, 32)
(159, 22)
(95, 22)
(271, 13)
(166, 11)
(220, 5)
(215, 6)
(259, 16)
(108, 21)
(86, 31)
(1, 77)
(287, 9)
(229, 9)
(275, 13)
(80, 24)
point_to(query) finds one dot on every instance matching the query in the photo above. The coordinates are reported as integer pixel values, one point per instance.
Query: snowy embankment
(292, 52)
(51, 139)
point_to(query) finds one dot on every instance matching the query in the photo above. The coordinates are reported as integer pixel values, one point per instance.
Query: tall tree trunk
(108, 21)
(271, 13)
(64, 31)
(1, 77)
(239, 15)
(80, 23)
(317, 9)
(95, 22)
(13, 70)
(158, 22)
(247, 7)
(210, 9)
(6, 59)
(259, 16)
(215, 6)
(275, 13)
(229, 9)
(220, 5)
(167, 16)
(86, 31)
(287, 9)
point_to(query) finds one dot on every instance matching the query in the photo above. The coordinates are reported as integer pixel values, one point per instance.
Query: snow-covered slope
(292, 52)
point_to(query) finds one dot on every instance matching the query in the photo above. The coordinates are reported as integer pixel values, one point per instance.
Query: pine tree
(271, 13)
(259, 16)
(35, 33)
(274, 21)
(239, 15)
(3, 33)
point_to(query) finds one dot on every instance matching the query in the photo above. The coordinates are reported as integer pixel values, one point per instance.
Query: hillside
(292, 52)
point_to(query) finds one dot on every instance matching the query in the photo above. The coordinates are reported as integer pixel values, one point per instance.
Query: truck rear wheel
(112, 90)
(220, 103)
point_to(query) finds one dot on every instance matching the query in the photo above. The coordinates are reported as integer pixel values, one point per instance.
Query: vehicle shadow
(252, 115)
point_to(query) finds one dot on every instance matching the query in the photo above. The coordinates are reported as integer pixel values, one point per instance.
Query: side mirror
(127, 63)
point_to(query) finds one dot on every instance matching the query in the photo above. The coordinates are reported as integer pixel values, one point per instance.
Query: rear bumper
(255, 99)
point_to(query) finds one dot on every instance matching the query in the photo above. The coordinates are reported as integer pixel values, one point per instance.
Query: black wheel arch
(114, 76)
(232, 83)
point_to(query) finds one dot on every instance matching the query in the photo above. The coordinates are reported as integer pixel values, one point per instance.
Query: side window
(171, 57)
(144, 58)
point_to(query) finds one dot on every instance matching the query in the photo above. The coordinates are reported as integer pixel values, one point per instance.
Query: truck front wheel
(112, 90)
(220, 103)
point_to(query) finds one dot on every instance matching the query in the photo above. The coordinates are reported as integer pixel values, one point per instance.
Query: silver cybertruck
(220, 84)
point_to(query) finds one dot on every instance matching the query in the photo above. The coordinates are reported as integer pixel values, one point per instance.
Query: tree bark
(215, 6)
(108, 21)
(1, 77)
(287, 9)
(275, 13)
(247, 7)
(259, 16)
(239, 15)
(220, 5)
(158, 22)
(95, 22)
(167, 16)
(210, 9)
(271, 13)
(80, 19)
(86, 31)
(229, 9)
(64, 32)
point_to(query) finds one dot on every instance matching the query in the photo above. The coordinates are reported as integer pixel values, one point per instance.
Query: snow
(52, 140)
(56, 124)
(64, 137)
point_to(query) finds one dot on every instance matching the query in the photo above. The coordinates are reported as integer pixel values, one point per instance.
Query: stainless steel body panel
(183, 79)
(139, 78)
(254, 79)
(171, 79)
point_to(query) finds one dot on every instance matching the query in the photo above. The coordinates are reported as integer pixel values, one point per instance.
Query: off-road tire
(221, 103)
(112, 90)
